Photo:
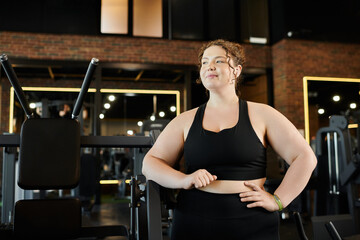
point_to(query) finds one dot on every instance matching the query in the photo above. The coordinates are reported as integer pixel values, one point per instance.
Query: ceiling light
(173, 108)
(32, 105)
(107, 105)
(111, 98)
(321, 111)
(161, 114)
(152, 118)
(259, 40)
(336, 98)
(352, 105)
(140, 123)
(101, 116)
(130, 132)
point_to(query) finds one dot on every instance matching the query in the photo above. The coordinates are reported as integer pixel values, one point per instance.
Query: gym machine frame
(10, 141)
(337, 175)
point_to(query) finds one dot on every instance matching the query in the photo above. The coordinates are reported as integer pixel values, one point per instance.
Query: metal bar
(97, 104)
(91, 141)
(133, 206)
(153, 211)
(329, 161)
(8, 186)
(85, 86)
(115, 141)
(10, 140)
(336, 153)
(16, 85)
(357, 135)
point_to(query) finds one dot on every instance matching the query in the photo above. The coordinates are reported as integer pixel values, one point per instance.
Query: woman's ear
(238, 71)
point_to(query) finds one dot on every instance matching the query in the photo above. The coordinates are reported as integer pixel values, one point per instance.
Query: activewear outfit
(232, 154)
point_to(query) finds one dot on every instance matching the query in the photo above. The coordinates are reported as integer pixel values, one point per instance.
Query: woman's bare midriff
(231, 186)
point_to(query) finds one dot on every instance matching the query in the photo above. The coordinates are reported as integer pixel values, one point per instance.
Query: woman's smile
(212, 75)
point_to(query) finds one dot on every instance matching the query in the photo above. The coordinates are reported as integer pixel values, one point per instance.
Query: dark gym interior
(122, 70)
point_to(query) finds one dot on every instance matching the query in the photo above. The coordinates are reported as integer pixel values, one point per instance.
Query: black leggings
(202, 215)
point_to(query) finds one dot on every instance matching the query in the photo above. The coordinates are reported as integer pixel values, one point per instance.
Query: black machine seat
(49, 154)
(49, 159)
(47, 218)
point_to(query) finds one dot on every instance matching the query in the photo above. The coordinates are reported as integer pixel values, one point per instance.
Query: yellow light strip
(104, 90)
(127, 181)
(109, 181)
(177, 103)
(55, 89)
(353, 125)
(332, 79)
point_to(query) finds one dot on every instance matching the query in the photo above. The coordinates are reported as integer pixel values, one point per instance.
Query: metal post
(8, 184)
(97, 131)
(337, 175)
(328, 137)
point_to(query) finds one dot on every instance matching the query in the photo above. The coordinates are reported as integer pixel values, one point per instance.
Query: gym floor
(112, 213)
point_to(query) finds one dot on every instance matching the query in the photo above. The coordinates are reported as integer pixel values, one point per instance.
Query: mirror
(123, 111)
(325, 96)
(48, 102)
(128, 111)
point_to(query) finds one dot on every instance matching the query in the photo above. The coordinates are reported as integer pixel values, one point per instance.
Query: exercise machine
(44, 164)
(336, 196)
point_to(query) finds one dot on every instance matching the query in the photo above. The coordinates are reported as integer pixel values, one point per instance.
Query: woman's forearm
(159, 171)
(296, 178)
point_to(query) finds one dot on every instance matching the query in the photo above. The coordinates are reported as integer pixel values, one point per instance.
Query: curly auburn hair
(233, 51)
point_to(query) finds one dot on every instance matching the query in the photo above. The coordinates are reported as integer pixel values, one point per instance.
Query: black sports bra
(232, 154)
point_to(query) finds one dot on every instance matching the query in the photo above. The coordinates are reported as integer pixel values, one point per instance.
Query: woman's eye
(204, 63)
(219, 61)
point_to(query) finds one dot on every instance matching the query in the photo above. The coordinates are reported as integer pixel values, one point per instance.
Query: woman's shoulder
(186, 116)
(256, 106)
(264, 111)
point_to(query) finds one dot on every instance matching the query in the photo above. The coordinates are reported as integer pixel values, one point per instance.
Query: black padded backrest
(47, 219)
(49, 154)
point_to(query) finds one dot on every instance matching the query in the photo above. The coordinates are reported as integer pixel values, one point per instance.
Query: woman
(224, 147)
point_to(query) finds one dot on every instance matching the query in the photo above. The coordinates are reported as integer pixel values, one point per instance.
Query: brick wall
(113, 49)
(294, 59)
(290, 59)
(256, 90)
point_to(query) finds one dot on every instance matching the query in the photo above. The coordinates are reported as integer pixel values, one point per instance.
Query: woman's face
(215, 70)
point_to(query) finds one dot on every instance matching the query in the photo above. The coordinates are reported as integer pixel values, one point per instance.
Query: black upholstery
(49, 154)
(50, 159)
(50, 218)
